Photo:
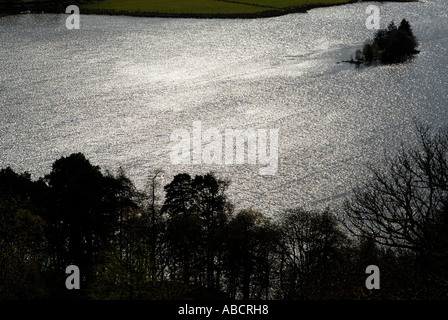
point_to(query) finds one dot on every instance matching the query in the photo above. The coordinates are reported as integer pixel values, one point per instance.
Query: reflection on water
(117, 88)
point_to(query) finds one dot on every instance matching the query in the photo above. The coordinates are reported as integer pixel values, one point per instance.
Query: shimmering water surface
(117, 88)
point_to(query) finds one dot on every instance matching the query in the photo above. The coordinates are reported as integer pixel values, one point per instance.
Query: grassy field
(205, 6)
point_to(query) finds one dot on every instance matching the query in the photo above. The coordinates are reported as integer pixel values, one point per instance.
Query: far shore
(253, 15)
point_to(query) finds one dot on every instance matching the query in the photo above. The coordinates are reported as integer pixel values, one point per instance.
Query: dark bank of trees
(404, 208)
(54, 6)
(129, 244)
(391, 45)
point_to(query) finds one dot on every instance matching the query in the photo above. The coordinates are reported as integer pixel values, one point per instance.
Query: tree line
(52, 6)
(130, 244)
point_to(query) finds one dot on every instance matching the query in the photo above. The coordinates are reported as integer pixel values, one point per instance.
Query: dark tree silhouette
(391, 27)
(198, 212)
(179, 196)
(405, 26)
(211, 204)
(315, 248)
(85, 212)
(22, 240)
(252, 241)
(400, 201)
(403, 208)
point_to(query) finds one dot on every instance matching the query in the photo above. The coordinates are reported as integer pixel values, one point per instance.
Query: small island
(391, 45)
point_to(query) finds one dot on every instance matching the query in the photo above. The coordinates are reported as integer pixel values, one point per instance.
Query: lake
(118, 87)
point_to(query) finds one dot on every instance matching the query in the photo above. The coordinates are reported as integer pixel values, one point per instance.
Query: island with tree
(391, 45)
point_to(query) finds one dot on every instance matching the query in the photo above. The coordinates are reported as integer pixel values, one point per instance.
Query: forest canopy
(192, 244)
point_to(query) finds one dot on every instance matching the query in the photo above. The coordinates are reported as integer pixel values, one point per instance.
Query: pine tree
(405, 26)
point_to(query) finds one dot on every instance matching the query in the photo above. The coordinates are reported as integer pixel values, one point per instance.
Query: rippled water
(118, 87)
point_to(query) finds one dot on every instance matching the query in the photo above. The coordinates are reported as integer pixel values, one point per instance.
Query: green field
(204, 6)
